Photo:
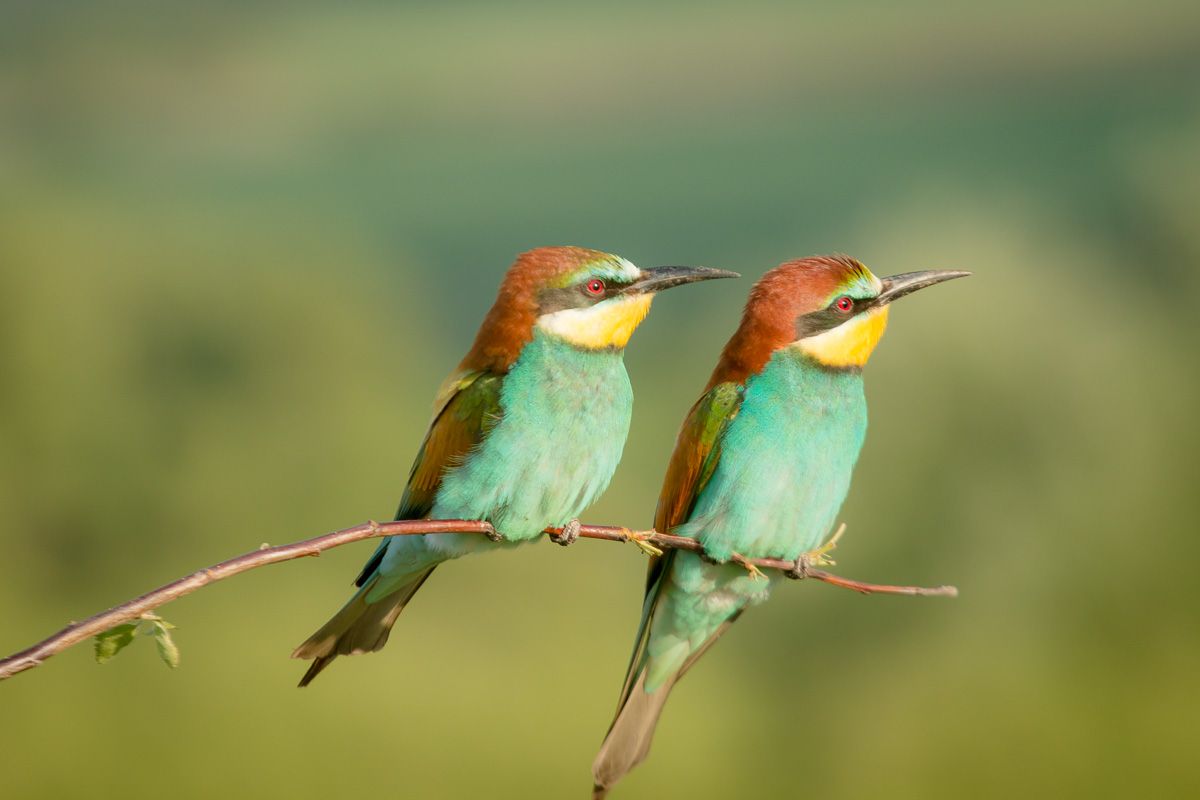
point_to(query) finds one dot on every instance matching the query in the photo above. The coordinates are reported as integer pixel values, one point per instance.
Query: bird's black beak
(656, 279)
(897, 286)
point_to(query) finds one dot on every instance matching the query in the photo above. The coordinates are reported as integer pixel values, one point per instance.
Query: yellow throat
(605, 325)
(849, 344)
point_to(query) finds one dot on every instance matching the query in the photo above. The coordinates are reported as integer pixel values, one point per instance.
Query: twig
(77, 632)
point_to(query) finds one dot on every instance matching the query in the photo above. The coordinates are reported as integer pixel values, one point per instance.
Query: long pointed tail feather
(359, 627)
(628, 741)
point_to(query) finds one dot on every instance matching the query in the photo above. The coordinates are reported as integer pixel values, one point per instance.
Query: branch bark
(648, 541)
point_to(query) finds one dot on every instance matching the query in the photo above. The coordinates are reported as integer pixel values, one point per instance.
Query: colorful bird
(526, 432)
(761, 467)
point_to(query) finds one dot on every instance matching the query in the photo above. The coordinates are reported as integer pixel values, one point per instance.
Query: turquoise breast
(565, 414)
(786, 461)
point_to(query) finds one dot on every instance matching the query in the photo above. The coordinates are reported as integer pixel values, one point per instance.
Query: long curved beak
(656, 279)
(897, 286)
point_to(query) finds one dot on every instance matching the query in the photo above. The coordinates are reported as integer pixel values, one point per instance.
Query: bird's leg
(568, 535)
(493, 534)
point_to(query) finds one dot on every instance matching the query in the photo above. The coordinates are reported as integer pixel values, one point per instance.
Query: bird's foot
(708, 559)
(820, 556)
(816, 558)
(568, 535)
(494, 534)
(644, 541)
(752, 568)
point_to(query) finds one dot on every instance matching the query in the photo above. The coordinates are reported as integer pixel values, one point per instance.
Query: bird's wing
(697, 451)
(467, 407)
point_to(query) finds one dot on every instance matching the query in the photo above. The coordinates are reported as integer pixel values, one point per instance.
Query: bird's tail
(628, 741)
(360, 627)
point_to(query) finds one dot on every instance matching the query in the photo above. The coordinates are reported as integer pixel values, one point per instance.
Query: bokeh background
(240, 245)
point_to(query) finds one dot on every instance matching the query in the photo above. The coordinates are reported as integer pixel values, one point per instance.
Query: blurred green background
(240, 246)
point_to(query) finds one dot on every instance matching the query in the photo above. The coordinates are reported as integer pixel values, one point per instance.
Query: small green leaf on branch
(168, 651)
(113, 640)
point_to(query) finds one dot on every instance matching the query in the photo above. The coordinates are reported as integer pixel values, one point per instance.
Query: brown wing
(467, 408)
(697, 451)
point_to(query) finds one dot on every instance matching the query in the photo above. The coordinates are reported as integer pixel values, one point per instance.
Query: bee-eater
(761, 467)
(526, 432)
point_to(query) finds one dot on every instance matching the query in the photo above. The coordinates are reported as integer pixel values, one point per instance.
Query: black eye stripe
(828, 318)
(577, 295)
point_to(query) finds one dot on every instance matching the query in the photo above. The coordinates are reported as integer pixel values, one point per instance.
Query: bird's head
(591, 299)
(832, 308)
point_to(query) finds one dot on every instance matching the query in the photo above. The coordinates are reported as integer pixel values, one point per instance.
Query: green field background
(241, 245)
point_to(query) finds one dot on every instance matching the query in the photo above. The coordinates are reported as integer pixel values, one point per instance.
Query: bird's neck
(560, 347)
(794, 378)
(553, 360)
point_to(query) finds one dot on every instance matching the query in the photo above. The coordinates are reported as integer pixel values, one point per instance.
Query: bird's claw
(819, 557)
(643, 542)
(493, 534)
(755, 572)
(568, 535)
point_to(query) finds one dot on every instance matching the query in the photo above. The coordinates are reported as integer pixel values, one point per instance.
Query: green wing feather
(467, 407)
(697, 451)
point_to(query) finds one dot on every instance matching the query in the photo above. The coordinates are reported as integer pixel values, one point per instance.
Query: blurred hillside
(240, 247)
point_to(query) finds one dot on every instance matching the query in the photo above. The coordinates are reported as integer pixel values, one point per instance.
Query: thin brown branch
(649, 541)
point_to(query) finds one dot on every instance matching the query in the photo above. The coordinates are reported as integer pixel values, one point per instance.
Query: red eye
(594, 287)
(844, 304)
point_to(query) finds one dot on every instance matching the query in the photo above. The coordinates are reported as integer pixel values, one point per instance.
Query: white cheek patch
(569, 320)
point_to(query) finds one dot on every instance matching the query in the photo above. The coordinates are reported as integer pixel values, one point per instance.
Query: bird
(526, 432)
(761, 467)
